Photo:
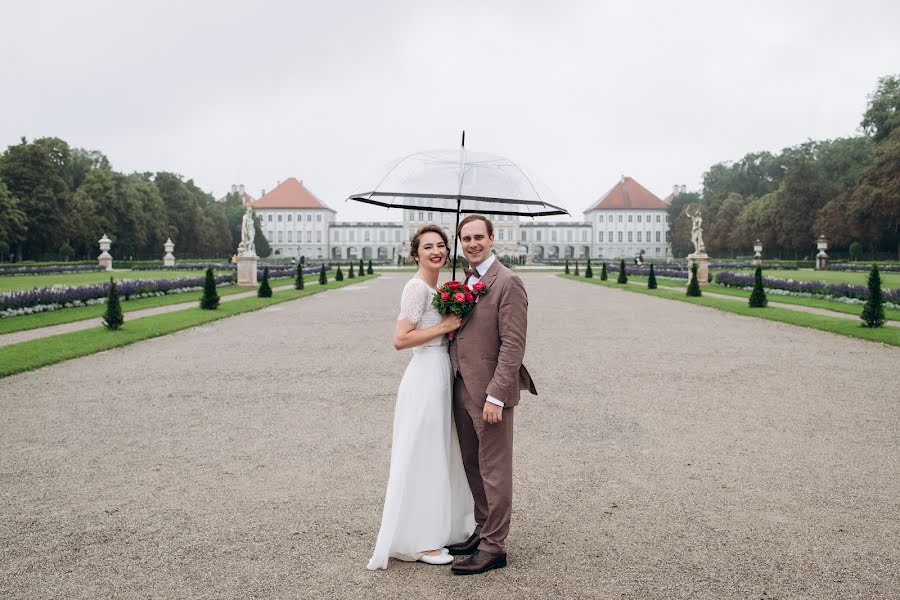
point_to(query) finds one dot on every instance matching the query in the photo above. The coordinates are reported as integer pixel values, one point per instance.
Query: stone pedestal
(246, 270)
(757, 260)
(702, 260)
(105, 259)
(822, 261)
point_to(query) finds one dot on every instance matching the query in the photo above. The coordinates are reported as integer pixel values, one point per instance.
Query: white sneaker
(444, 558)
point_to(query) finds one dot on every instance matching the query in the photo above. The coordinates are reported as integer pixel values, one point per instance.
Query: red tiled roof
(668, 199)
(290, 193)
(628, 194)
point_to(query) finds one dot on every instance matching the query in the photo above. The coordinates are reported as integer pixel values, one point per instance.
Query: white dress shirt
(472, 280)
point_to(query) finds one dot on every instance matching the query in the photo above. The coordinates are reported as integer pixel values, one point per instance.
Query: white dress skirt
(428, 504)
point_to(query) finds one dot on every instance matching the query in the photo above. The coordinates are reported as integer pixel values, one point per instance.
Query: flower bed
(55, 297)
(808, 289)
(660, 271)
(45, 269)
(863, 268)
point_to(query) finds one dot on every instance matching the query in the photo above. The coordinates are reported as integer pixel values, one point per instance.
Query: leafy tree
(298, 278)
(651, 281)
(265, 289)
(588, 271)
(856, 250)
(13, 220)
(758, 295)
(338, 275)
(369, 270)
(693, 288)
(603, 273)
(873, 311)
(113, 318)
(66, 251)
(323, 278)
(210, 298)
(883, 113)
(623, 278)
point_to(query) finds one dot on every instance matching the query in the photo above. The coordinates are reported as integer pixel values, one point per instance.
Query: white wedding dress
(428, 504)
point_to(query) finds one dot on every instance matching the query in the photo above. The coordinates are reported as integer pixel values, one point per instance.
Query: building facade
(626, 221)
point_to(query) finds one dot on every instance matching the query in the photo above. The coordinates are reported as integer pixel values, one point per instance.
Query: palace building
(626, 221)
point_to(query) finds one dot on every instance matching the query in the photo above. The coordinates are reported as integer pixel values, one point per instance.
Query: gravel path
(674, 451)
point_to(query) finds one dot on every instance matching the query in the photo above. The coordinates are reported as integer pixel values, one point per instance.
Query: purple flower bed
(863, 268)
(63, 295)
(187, 266)
(813, 288)
(50, 269)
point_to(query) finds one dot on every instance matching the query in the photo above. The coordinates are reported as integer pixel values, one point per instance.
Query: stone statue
(696, 229)
(248, 234)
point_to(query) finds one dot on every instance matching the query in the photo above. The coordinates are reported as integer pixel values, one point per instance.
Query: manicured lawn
(840, 326)
(888, 280)
(850, 309)
(26, 282)
(80, 313)
(26, 356)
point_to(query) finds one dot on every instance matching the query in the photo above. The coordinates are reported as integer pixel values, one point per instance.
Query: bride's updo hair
(414, 240)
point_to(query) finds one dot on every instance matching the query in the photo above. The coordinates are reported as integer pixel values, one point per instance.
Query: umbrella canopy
(460, 182)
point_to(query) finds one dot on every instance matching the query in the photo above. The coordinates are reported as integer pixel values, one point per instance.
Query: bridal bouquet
(458, 298)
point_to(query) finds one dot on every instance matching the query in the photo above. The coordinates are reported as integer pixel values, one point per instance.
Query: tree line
(56, 202)
(847, 189)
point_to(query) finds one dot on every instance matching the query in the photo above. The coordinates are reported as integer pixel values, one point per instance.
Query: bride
(428, 504)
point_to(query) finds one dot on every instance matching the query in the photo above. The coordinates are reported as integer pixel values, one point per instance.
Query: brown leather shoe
(467, 547)
(479, 562)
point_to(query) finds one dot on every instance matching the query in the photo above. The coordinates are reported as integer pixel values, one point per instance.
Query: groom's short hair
(474, 217)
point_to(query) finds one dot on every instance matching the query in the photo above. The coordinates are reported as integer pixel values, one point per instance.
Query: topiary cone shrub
(113, 317)
(623, 278)
(265, 290)
(350, 274)
(298, 278)
(576, 269)
(758, 295)
(651, 281)
(362, 268)
(210, 298)
(873, 311)
(369, 270)
(693, 288)
(567, 266)
(588, 271)
(323, 279)
(339, 275)
(603, 274)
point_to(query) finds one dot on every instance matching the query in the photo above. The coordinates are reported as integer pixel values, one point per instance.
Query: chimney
(675, 190)
(684, 189)
(623, 179)
(233, 188)
(262, 193)
(241, 187)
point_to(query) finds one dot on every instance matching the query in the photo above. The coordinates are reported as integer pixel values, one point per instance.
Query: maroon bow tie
(470, 272)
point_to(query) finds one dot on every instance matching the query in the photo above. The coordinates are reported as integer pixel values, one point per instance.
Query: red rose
(478, 286)
(453, 285)
(470, 298)
(464, 287)
(445, 297)
(459, 297)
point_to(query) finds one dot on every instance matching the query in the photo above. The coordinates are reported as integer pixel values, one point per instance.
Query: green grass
(849, 309)
(840, 326)
(888, 280)
(33, 354)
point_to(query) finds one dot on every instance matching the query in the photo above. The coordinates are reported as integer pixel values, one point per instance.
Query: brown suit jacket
(489, 345)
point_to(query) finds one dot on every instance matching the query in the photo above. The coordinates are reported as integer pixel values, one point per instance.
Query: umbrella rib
(472, 198)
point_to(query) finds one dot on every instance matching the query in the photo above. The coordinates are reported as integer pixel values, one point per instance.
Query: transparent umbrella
(459, 182)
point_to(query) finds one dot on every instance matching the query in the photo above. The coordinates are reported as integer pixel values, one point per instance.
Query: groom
(486, 356)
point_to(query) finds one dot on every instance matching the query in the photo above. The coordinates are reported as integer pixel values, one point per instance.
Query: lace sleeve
(415, 299)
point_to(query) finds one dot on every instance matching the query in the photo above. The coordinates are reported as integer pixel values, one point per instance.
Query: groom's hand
(492, 414)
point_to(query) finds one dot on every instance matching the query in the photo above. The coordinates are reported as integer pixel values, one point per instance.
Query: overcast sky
(328, 92)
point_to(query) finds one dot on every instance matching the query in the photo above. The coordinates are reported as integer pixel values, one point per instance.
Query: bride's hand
(451, 322)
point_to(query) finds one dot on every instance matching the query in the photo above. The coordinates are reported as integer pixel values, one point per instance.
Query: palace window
(502, 233)
(648, 218)
(599, 218)
(381, 235)
(524, 236)
(552, 235)
(280, 236)
(639, 233)
(620, 237)
(429, 217)
(620, 218)
(269, 218)
(568, 235)
(584, 235)
(309, 237)
(657, 218)
(639, 220)
(630, 218)
(537, 236)
(319, 217)
(309, 218)
(421, 216)
(367, 236)
(611, 236)
(601, 237)
(351, 235)
(290, 236)
(629, 237)
(397, 235)
(657, 236)
(648, 236)
(289, 217)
